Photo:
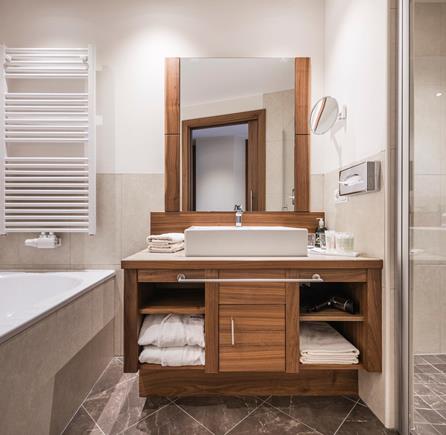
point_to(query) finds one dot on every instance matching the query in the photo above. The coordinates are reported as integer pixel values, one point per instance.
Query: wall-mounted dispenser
(360, 178)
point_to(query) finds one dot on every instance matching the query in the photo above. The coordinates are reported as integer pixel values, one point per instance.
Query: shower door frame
(405, 142)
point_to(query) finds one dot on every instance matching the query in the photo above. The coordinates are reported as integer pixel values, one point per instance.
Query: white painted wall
(220, 173)
(133, 37)
(356, 74)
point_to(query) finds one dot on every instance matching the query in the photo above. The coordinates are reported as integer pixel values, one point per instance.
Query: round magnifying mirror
(324, 115)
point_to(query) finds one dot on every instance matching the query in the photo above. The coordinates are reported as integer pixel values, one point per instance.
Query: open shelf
(330, 366)
(175, 302)
(150, 367)
(331, 315)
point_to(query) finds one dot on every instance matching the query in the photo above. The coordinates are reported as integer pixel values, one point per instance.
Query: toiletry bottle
(320, 230)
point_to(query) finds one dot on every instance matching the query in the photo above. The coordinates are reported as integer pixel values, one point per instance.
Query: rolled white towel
(172, 330)
(173, 356)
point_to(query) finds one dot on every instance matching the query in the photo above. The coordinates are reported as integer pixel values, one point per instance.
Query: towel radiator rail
(41, 188)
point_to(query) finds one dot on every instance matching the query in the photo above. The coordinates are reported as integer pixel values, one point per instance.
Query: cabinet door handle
(232, 332)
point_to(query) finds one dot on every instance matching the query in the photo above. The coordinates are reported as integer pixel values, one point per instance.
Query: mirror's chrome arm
(181, 277)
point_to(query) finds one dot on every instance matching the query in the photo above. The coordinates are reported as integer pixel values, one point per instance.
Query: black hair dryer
(337, 302)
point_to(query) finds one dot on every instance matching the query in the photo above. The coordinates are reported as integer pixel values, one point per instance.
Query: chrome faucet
(238, 215)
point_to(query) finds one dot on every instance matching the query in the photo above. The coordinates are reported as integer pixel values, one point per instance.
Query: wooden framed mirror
(185, 151)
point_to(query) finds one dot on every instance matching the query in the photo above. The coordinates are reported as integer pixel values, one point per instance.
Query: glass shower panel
(428, 216)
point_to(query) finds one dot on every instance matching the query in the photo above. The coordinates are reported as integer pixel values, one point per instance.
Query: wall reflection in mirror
(237, 133)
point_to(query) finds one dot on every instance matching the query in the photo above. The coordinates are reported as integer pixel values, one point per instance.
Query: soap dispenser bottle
(320, 230)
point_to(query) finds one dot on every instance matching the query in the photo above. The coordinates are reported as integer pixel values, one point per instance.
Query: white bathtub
(26, 297)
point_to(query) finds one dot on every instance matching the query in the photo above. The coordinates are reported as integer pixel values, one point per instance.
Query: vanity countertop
(178, 260)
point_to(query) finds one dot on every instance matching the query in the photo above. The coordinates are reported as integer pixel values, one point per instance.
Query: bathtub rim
(104, 276)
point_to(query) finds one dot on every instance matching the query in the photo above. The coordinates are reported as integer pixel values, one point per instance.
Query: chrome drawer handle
(181, 277)
(232, 332)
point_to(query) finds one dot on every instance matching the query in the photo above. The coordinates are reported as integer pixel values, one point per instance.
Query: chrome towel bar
(181, 277)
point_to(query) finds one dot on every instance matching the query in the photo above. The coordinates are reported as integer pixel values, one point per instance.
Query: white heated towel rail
(47, 140)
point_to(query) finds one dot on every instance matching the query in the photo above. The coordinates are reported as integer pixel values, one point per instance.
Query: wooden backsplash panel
(165, 222)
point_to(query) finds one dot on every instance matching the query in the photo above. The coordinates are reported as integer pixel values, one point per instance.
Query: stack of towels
(172, 340)
(169, 242)
(320, 343)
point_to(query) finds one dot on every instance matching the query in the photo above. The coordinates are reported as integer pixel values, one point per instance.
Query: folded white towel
(172, 330)
(163, 243)
(321, 343)
(169, 237)
(166, 249)
(304, 360)
(173, 356)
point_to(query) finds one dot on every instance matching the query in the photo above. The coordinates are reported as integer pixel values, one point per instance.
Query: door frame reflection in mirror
(255, 157)
(172, 125)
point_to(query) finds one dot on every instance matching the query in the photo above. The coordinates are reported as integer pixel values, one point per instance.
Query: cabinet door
(252, 338)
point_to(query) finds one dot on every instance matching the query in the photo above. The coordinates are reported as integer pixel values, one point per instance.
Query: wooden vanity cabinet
(252, 328)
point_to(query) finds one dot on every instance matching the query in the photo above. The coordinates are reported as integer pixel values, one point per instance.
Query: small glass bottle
(320, 230)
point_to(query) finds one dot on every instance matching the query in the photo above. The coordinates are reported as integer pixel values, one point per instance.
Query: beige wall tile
(9, 249)
(141, 194)
(427, 309)
(428, 29)
(105, 246)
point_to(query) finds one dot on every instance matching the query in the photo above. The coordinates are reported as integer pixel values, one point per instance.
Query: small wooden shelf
(330, 366)
(331, 315)
(151, 367)
(178, 302)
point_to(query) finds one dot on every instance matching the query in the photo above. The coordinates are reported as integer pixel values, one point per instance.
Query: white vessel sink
(245, 242)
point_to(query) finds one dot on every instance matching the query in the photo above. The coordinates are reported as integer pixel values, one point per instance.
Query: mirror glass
(238, 131)
(324, 115)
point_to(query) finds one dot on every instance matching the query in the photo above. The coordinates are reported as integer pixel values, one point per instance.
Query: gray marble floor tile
(438, 388)
(356, 399)
(432, 416)
(426, 368)
(418, 359)
(113, 375)
(421, 389)
(434, 401)
(362, 421)
(324, 414)
(424, 378)
(268, 420)
(442, 412)
(170, 420)
(441, 367)
(424, 429)
(439, 378)
(419, 418)
(119, 407)
(433, 359)
(419, 402)
(82, 423)
(442, 357)
(441, 429)
(219, 414)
